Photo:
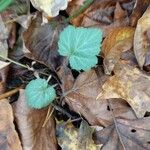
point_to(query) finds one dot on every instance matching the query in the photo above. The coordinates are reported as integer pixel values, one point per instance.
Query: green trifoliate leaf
(39, 94)
(81, 46)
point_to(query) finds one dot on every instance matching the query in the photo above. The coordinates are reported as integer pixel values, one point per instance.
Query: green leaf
(39, 94)
(4, 4)
(81, 46)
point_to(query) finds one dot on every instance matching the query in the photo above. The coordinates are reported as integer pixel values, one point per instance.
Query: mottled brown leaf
(125, 134)
(130, 84)
(82, 99)
(30, 122)
(118, 41)
(9, 139)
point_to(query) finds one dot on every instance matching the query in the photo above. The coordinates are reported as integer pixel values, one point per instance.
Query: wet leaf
(125, 134)
(130, 84)
(141, 40)
(8, 136)
(70, 138)
(118, 41)
(30, 122)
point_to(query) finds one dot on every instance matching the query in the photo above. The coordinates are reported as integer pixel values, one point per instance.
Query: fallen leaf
(8, 136)
(130, 84)
(50, 8)
(138, 10)
(125, 134)
(118, 41)
(41, 41)
(141, 40)
(81, 97)
(108, 14)
(70, 138)
(30, 122)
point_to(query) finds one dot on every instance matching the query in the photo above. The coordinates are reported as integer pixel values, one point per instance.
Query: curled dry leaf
(30, 122)
(8, 136)
(118, 41)
(82, 99)
(41, 41)
(99, 14)
(141, 39)
(71, 138)
(50, 8)
(125, 134)
(138, 10)
(130, 84)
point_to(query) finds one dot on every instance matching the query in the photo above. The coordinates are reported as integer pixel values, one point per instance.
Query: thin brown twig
(10, 93)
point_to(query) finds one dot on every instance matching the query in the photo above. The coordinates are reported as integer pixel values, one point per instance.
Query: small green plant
(81, 46)
(4, 4)
(39, 94)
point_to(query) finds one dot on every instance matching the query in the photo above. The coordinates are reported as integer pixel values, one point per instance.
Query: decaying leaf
(41, 41)
(118, 41)
(30, 122)
(141, 39)
(3, 38)
(50, 8)
(82, 99)
(108, 14)
(125, 134)
(70, 138)
(9, 139)
(130, 84)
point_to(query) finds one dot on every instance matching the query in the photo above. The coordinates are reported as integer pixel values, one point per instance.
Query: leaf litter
(100, 79)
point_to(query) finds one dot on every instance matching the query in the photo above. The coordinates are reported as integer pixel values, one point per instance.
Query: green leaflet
(81, 46)
(4, 4)
(39, 94)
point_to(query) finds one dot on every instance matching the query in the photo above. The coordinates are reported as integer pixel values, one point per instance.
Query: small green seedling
(39, 94)
(81, 46)
(4, 4)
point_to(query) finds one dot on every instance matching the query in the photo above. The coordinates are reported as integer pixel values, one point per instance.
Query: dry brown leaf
(41, 41)
(82, 99)
(118, 41)
(108, 14)
(30, 122)
(9, 139)
(141, 41)
(138, 10)
(125, 134)
(131, 84)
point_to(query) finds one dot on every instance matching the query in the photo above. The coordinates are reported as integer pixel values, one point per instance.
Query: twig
(10, 93)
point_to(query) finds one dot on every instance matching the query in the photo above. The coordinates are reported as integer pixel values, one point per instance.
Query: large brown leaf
(141, 39)
(41, 41)
(118, 41)
(125, 134)
(30, 122)
(82, 99)
(9, 139)
(131, 84)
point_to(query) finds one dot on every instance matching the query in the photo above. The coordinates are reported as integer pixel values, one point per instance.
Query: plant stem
(86, 4)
